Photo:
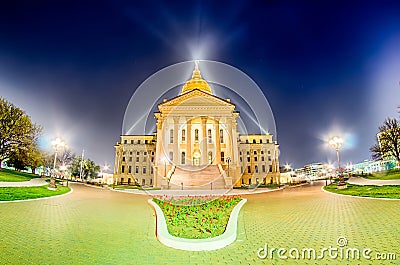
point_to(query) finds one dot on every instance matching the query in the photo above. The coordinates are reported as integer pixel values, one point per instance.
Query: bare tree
(388, 141)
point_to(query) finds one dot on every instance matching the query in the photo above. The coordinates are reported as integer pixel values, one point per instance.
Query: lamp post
(337, 142)
(57, 143)
(228, 160)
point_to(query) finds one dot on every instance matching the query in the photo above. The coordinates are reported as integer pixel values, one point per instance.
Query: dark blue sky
(326, 67)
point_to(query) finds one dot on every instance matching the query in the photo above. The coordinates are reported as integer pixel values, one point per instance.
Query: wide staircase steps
(197, 178)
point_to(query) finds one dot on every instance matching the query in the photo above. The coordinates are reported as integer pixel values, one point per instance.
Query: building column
(217, 142)
(158, 174)
(204, 160)
(229, 141)
(189, 140)
(175, 148)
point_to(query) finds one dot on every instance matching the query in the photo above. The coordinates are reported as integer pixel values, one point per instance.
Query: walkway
(30, 183)
(99, 226)
(378, 182)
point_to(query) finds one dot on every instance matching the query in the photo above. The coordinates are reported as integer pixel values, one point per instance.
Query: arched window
(171, 136)
(196, 135)
(183, 158)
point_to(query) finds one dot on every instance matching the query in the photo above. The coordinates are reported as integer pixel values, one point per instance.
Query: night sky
(325, 67)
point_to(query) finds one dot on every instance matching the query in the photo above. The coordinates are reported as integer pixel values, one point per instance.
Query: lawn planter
(190, 244)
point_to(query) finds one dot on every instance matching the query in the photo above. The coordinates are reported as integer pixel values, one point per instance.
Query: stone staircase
(197, 178)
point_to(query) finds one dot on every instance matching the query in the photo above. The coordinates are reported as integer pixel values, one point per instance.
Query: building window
(151, 182)
(125, 141)
(171, 156)
(145, 159)
(248, 153)
(137, 170)
(143, 182)
(255, 152)
(248, 159)
(123, 169)
(129, 169)
(247, 141)
(260, 141)
(269, 152)
(183, 135)
(241, 170)
(123, 158)
(151, 172)
(137, 159)
(270, 168)
(263, 168)
(209, 136)
(145, 153)
(222, 157)
(132, 142)
(248, 169)
(144, 170)
(262, 152)
(183, 158)
(210, 157)
(146, 141)
(196, 135)
(254, 141)
(256, 169)
(221, 136)
(255, 158)
(240, 152)
(262, 159)
(267, 141)
(137, 153)
(241, 160)
(171, 136)
(130, 159)
(269, 158)
(138, 141)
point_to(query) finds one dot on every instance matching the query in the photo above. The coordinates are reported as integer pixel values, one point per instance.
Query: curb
(359, 197)
(227, 238)
(43, 198)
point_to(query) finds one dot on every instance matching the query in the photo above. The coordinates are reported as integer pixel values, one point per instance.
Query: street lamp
(57, 143)
(337, 142)
(228, 160)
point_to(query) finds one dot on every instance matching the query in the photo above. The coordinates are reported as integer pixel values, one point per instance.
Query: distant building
(370, 166)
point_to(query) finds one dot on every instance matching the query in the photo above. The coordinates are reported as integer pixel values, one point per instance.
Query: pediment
(196, 98)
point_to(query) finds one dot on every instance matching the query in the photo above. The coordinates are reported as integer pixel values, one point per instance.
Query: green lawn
(389, 191)
(385, 175)
(197, 217)
(7, 175)
(24, 193)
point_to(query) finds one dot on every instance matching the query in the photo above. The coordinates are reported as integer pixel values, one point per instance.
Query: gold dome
(197, 82)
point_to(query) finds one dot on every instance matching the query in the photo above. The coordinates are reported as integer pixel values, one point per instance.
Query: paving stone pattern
(99, 226)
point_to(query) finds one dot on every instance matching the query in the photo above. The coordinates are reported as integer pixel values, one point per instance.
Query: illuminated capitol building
(196, 146)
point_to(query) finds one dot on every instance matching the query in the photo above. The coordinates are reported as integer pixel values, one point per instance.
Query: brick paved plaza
(95, 226)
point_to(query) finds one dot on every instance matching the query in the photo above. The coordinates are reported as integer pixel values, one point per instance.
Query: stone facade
(196, 129)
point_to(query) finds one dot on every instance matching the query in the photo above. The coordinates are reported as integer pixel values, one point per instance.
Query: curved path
(378, 182)
(99, 226)
(31, 183)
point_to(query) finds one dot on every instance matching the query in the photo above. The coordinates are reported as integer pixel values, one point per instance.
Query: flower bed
(197, 216)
